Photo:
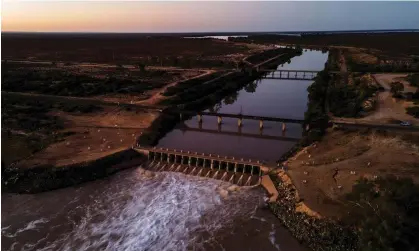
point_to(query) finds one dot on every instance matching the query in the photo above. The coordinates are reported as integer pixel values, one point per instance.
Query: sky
(200, 16)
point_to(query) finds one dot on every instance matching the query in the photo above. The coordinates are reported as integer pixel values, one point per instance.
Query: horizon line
(217, 32)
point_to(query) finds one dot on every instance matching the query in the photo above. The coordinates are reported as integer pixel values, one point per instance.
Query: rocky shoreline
(308, 228)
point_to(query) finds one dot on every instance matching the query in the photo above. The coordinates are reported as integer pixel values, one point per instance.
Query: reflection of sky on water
(265, 97)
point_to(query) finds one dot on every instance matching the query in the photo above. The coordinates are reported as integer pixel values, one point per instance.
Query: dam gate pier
(237, 171)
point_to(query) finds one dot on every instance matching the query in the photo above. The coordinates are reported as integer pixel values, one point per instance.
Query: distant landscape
(260, 140)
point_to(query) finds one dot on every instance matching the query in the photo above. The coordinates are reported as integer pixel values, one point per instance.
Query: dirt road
(156, 94)
(388, 109)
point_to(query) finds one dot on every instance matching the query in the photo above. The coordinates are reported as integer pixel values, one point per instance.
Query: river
(138, 210)
(265, 97)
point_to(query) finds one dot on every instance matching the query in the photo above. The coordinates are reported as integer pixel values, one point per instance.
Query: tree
(175, 61)
(241, 66)
(385, 213)
(231, 98)
(141, 66)
(396, 88)
(251, 87)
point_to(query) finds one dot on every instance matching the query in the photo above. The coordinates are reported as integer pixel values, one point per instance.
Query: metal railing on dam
(237, 171)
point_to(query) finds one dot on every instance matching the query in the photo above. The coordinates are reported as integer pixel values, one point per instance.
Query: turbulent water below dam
(143, 210)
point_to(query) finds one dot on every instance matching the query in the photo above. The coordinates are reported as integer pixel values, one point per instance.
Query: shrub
(385, 213)
(396, 87)
(413, 110)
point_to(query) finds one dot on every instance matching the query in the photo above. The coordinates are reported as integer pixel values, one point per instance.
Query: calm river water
(266, 97)
(170, 211)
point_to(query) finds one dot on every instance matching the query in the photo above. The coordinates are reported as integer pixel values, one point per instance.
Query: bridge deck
(279, 70)
(290, 78)
(252, 135)
(242, 116)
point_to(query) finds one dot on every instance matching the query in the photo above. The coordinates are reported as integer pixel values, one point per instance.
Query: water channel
(134, 210)
(265, 97)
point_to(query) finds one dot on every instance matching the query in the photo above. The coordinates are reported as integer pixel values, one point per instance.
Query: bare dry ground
(325, 171)
(95, 136)
(388, 110)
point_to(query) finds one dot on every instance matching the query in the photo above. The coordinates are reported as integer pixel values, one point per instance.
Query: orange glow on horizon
(195, 16)
(102, 16)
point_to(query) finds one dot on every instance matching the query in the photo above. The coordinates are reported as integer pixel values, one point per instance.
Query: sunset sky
(98, 16)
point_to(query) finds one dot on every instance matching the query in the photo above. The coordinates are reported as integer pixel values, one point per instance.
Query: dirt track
(388, 109)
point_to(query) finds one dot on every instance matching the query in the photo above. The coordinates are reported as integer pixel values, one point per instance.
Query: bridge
(239, 133)
(289, 74)
(239, 117)
(229, 115)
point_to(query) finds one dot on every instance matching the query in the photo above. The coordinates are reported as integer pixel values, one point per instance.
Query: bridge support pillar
(161, 157)
(168, 158)
(251, 171)
(261, 124)
(235, 167)
(219, 120)
(182, 160)
(189, 161)
(240, 122)
(284, 127)
(212, 164)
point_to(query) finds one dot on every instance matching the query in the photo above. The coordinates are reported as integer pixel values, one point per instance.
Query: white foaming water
(132, 211)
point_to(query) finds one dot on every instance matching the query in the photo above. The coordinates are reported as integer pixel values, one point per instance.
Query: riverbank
(305, 224)
(331, 179)
(49, 177)
(203, 96)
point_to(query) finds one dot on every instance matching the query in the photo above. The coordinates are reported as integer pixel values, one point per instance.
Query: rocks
(233, 188)
(223, 193)
(318, 234)
(148, 174)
